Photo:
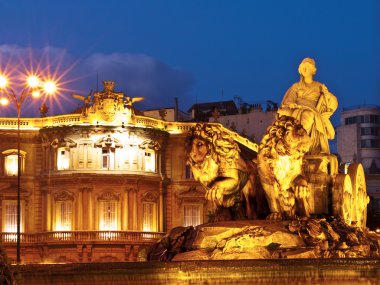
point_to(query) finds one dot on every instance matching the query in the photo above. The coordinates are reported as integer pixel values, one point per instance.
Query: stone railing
(139, 121)
(82, 236)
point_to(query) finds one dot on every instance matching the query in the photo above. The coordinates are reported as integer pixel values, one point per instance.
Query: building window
(108, 215)
(192, 215)
(63, 215)
(108, 158)
(370, 143)
(11, 163)
(63, 158)
(150, 161)
(149, 216)
(10, 217)
(369, 131)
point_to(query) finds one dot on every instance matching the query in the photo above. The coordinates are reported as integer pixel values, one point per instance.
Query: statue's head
(307, 67)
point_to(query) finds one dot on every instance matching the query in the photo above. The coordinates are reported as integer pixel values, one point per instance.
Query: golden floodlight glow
(36, 94)
(50, 87)
(3, 81)
(4, 101)
(33, 81)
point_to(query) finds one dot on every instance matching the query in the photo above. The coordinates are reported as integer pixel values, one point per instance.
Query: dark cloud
(139, 75)
(135, 74)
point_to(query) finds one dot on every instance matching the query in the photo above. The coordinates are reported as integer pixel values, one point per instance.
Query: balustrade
(82, 236)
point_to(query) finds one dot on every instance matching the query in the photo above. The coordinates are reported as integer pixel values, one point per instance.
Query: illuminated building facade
(99, 185)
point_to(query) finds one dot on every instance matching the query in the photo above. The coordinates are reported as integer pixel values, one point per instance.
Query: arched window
(192, 205)
(149, 211)
(108, 204)
(63, 204)
(9, 216)
(11, 162)
(192, 215)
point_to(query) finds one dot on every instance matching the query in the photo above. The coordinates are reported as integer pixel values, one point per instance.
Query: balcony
(78, 237)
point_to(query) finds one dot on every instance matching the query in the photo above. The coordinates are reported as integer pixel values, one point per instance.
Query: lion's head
(209, 141)
(286, 137)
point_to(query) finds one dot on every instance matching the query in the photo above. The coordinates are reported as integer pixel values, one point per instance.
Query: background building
(251, 121)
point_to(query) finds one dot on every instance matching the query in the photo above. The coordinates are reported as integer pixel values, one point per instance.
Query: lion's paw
(275, 216)
(301, 192)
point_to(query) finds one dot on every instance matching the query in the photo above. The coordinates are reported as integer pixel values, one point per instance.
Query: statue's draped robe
(313, 109)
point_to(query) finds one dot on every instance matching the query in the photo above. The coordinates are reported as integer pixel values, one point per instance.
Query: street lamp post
(32, 87)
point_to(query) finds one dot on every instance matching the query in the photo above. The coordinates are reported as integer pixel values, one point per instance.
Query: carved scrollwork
(63, 196)
(150, 144)
(150, 197)
(63, 142)
(109, 142)
(191, 195)
(108, 196)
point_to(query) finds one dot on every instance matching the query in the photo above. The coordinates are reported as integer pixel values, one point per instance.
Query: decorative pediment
(107, 196)
(150, 144)
(63, 142)
(63, 196)
(150, 197)
(192, 195)
(108, 142)
(13, 152)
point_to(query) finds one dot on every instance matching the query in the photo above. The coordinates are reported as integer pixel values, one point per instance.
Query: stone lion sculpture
(280, 167)
(229, 181)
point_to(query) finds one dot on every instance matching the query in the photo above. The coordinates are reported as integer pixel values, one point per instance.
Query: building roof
(203, 111)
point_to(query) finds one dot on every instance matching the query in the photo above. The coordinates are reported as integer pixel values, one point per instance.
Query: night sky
(198, 51)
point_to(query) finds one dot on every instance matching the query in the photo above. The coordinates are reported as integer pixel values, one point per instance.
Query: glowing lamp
(36, 94)
(33, 81)
(50, 87)
(4, 101)
(3, 81)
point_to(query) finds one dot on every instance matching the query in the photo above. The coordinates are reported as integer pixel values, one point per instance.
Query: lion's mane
(222, 146)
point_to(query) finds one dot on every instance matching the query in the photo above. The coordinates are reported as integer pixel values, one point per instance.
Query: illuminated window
(63, 158)
(192, 215)
(149, 217)
(11, 163)
(108, 215)
(10, 217)
(63, 215)
(150, 161)
(108, 158)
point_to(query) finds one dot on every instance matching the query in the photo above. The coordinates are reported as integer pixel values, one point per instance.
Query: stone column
(48, 211)
(134, 209)
(124, 211)
(161, 210)
(90, 210)
(80, 211)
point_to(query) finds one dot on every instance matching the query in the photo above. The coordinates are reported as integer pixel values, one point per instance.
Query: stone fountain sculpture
(314, 210)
